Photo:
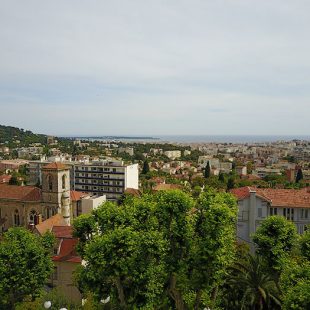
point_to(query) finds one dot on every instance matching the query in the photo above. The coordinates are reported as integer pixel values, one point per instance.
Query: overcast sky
(142, 67)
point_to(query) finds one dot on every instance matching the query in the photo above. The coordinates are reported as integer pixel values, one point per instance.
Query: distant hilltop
(9, 134)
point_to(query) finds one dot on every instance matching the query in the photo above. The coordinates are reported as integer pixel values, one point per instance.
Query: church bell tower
(56, 189)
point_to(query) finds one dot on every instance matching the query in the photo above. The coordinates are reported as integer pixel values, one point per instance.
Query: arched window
(48, 212)
(16, 218)
(50, 182)
(33, 217)
(64, 181)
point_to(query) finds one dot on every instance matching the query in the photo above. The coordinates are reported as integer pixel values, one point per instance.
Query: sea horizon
(194, 138)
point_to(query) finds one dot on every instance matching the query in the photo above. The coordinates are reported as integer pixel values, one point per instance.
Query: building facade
(256, 204)
(110, 178)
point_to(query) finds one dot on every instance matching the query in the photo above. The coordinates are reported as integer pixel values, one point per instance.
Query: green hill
(10, 134)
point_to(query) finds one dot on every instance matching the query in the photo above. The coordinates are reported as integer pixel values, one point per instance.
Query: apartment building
(255, 204)
(110, 178)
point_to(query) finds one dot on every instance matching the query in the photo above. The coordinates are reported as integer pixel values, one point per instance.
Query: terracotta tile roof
(20, 193)
(76, 196)
(164, 187)
(62, 231)
(277, 197)
(55, 166)
(67, 251)
(5, 178)
(133, 192)
(47, 225)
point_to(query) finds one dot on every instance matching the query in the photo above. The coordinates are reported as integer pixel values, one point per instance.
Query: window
(288, 213)
(16, 218)
(304, 213)
(273, 211)
(78, 208)
(64, 181)
(50, 182)
(259, 212)
(33, 217)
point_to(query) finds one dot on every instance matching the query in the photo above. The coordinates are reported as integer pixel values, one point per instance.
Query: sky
(155, 67)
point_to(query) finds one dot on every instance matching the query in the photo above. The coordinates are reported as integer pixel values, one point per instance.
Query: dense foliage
(25, 265)
(164, 250)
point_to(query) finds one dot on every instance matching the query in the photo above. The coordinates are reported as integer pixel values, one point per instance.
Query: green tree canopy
(25, 265)
(275, 239)
(163, 250)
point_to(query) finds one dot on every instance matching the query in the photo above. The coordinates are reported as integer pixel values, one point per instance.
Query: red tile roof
(62, 231)
(20, 193)
(277, 197)
(55, 166)
(67, 251)
(47, 225)
(5, 178)
(163, 187)
(133, 192)
(75, 195)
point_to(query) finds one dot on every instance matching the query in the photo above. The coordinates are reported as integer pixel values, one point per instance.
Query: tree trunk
(175, 294)
(198, 299)
(214, 295)
(120, 291)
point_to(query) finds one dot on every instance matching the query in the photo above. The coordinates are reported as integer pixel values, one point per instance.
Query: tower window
(50, 182)
(16, 218)
(64, 181)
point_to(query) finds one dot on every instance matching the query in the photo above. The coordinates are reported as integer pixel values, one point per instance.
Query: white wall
(132, 176)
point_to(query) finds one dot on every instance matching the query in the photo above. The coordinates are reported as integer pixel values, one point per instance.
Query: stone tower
(56, 190)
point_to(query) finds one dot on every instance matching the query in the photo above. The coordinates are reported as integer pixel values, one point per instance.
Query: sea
(199, 138)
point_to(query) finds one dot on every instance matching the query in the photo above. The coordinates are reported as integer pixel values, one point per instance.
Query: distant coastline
(198, 138)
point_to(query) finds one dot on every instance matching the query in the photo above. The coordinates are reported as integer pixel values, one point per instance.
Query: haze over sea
(202, 138)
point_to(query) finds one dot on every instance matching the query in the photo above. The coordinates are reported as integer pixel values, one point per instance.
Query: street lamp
(48, 304)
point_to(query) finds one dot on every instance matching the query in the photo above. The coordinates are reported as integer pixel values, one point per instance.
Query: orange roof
(62, 231)
(277, 197)
(5, 178)
(133, 192)
(47, 225)
(164, 187)
(67, 251)
(21, 193)
(55, 166)
(76, 196)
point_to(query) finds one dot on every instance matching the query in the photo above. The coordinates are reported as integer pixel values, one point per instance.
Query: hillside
(26, 137)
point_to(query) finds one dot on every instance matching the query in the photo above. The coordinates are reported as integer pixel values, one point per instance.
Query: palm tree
(251, 286)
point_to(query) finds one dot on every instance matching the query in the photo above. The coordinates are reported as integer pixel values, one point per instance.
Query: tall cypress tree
(299, 175)
(207, 170)
(146, 167)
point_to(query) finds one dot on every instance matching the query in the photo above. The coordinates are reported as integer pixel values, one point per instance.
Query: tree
(14, 180)
(213, 244)
(230, 183)
(275, 239)
(158, 251)
(207, 170)
(146, 167)
(251, 286)
(221, 177)
(295, 285)
(305, 244)
(299, 175)
(25, 265)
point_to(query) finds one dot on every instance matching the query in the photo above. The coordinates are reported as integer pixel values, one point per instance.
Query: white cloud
(182, 65)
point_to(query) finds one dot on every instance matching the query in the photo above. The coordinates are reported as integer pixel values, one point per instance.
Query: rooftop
(277, 197)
